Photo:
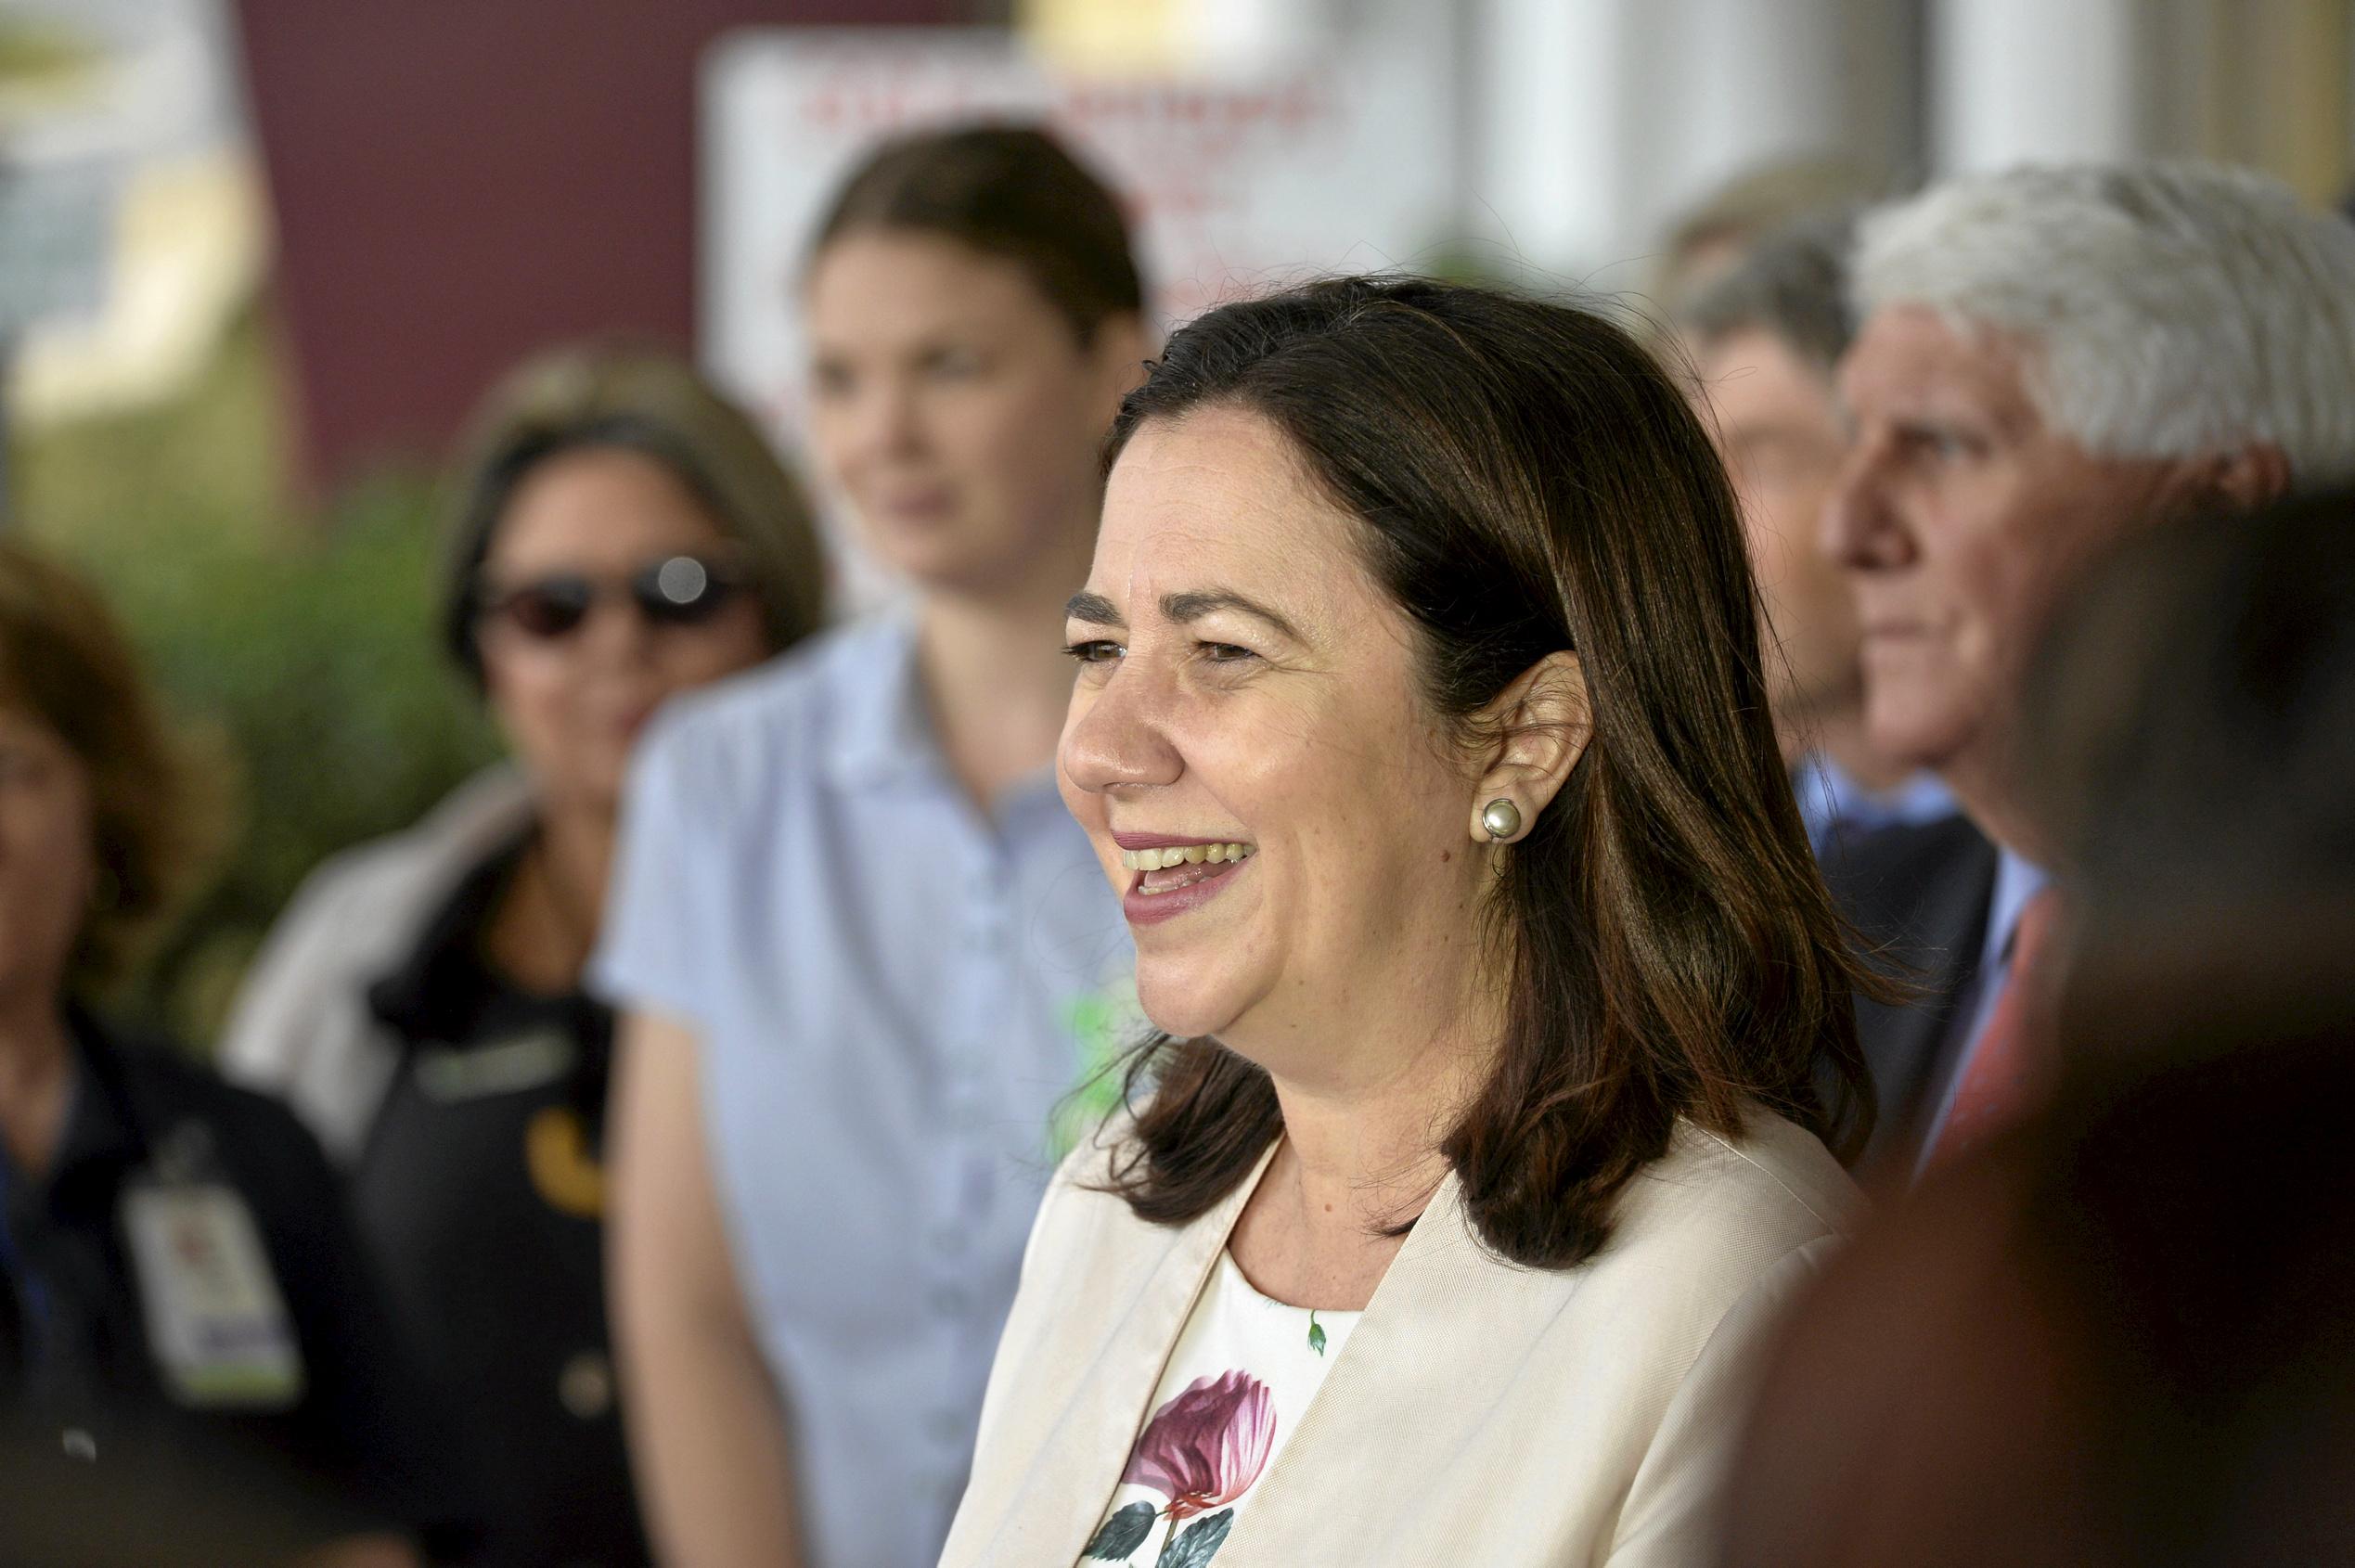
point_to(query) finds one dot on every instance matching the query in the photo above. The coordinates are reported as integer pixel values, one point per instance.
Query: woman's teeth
(1185, 854)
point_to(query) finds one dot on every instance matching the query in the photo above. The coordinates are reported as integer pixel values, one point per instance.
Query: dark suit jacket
(1920, 896)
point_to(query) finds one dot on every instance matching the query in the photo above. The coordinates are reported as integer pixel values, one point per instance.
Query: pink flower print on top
(1206, 1447)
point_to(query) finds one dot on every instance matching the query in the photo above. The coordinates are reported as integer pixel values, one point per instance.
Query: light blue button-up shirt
(895, 994)
(1832, 803)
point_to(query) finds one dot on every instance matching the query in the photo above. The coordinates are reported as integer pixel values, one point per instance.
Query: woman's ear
(1538, 728)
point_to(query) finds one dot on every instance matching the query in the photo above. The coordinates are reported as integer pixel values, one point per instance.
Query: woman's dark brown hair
(1004, 190)
(1531, 482)
(154, 818)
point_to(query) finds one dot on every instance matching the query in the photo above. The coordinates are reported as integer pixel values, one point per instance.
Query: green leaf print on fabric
(1199, 1542)
(1122, 1534)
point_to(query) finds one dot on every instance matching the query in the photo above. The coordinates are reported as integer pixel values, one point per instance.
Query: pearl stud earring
(1502, 818)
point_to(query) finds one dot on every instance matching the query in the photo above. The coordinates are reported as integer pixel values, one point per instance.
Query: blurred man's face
(1778, 433)
(1963, 520)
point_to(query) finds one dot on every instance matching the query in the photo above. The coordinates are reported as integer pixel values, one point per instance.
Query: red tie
(2002, 1076)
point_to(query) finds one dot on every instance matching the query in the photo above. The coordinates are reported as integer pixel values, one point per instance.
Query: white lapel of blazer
(1109, 1367)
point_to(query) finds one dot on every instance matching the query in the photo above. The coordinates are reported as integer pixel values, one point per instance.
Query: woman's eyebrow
(1095, 610)
(1194, 605)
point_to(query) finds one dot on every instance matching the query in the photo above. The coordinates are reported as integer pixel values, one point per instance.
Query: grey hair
(1793, 283)
(2169, 309)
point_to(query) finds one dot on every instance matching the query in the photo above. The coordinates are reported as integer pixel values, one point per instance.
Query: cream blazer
(1482, 1414)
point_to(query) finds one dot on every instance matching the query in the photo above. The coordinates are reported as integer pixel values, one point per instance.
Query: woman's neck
(36, 1077)
(1360, 1156)
(546, 927)
(995, 678)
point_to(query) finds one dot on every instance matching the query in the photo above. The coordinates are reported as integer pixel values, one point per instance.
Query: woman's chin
(1185, 1009)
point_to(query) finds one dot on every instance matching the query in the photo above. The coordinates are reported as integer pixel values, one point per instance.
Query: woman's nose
(1118, 736)
(617, 631)
(891, 420)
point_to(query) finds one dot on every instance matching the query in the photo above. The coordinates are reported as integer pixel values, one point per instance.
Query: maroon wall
(456, 182)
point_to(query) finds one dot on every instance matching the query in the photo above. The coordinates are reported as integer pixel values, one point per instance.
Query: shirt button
(948, 1427)
(586, 1385)
(948, 1300)
(79, 1444)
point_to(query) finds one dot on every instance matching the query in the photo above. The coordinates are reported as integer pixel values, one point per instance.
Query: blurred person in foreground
(619, 534)
(186, 1319)
(1907, 868)
(861, 950)
(2049, 360)
(2120, 1334)
(2191, 727)
(1421, 724)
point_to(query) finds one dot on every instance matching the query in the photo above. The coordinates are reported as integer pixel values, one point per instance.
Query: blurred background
(258, 259)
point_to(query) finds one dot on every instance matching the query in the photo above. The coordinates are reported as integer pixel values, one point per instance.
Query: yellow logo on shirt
(564, 1174)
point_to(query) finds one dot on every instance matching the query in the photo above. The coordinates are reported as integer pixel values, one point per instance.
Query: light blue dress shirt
(895, 993)
(2016, 881)
(1831, 802)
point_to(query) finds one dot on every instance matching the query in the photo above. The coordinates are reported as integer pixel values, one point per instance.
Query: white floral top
(1244, 1369)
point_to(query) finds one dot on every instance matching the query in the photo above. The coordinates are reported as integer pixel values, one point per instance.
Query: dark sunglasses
(675, 591)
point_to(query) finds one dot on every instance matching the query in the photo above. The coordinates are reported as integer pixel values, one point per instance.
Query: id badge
(217, 1325)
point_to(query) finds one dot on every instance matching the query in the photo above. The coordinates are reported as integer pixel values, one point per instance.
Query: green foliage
(302, 646)
(39, 53)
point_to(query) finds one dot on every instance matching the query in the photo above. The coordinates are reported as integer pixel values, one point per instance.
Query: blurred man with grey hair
(2049, 359)
(1911, 876)
(1765, 337)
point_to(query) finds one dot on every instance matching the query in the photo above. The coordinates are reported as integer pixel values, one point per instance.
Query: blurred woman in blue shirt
(860, 952)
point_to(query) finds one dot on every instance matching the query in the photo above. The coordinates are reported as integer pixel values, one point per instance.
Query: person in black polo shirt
(620, 534)
(195, 1363)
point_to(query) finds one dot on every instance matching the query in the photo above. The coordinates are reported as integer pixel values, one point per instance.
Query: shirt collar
(101, 1128)
(2016, 881)
(883, 730)
(1830, 798)
(439, 988)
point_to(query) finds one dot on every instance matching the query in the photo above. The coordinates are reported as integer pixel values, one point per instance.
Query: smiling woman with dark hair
(1421, 722)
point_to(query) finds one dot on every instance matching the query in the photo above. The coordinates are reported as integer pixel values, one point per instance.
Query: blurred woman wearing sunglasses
(620, 534)
(862, 953)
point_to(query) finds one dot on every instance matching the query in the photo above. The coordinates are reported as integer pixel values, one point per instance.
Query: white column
(1599, 120)
(1752, 85)
(1550, 169)
(2016, 81)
